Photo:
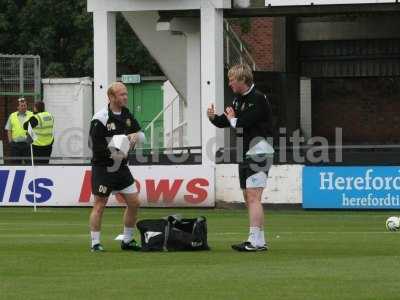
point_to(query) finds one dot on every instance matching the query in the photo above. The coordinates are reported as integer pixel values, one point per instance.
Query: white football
(393, 223)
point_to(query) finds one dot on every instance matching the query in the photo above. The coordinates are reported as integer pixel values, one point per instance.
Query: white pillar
(104, 55)
(212, 77)
(194, 110)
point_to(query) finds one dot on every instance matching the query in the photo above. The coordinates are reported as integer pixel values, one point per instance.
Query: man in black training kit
(250, 114)
(110, 172)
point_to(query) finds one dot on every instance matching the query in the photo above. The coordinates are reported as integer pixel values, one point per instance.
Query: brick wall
(366, 108)
(258, 40)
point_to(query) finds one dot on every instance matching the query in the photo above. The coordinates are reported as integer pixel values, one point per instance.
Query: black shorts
(250, 167)
(104, 182)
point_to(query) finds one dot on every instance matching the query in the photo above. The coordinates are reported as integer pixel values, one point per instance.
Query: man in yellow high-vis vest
(17, 135)
(42, 123)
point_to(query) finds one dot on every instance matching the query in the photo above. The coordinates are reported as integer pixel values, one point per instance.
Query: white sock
(261, 238)
(254, 232)
(128, 233)
(95, 235)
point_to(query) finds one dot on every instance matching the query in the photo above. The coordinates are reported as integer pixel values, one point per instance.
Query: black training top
(254, 118)
(103, 126)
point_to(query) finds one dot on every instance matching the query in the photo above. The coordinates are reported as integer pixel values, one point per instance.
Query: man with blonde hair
(110, 172)
(251, 117)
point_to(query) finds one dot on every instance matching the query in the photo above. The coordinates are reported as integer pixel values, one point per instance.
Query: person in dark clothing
(110, 172)
(250, 115)
(42, 123)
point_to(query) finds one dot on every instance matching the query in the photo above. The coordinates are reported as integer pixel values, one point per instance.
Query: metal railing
(235, 52)
(180, 130)
(170, 133)
(20, 75)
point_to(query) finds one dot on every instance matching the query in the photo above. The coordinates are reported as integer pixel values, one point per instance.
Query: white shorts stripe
(131, 189)
(258, 180)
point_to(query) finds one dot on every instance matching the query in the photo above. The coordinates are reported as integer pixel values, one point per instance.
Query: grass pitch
(314, 255)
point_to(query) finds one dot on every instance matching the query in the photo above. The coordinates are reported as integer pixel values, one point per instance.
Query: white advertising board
(159, 186)
(321, 2)
(283, 184)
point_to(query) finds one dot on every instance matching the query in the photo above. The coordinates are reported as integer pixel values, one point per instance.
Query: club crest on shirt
(111, 126)
(235, 104)
(128, 123)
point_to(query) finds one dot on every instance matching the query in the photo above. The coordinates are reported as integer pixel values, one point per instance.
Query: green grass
(314, 255)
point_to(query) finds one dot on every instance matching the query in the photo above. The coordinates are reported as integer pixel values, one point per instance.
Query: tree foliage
(61, 32)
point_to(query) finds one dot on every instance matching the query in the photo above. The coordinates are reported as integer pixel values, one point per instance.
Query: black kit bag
(173, 233)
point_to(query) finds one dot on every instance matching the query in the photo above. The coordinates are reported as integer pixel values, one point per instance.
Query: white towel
(120, 142)
(261, 148)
